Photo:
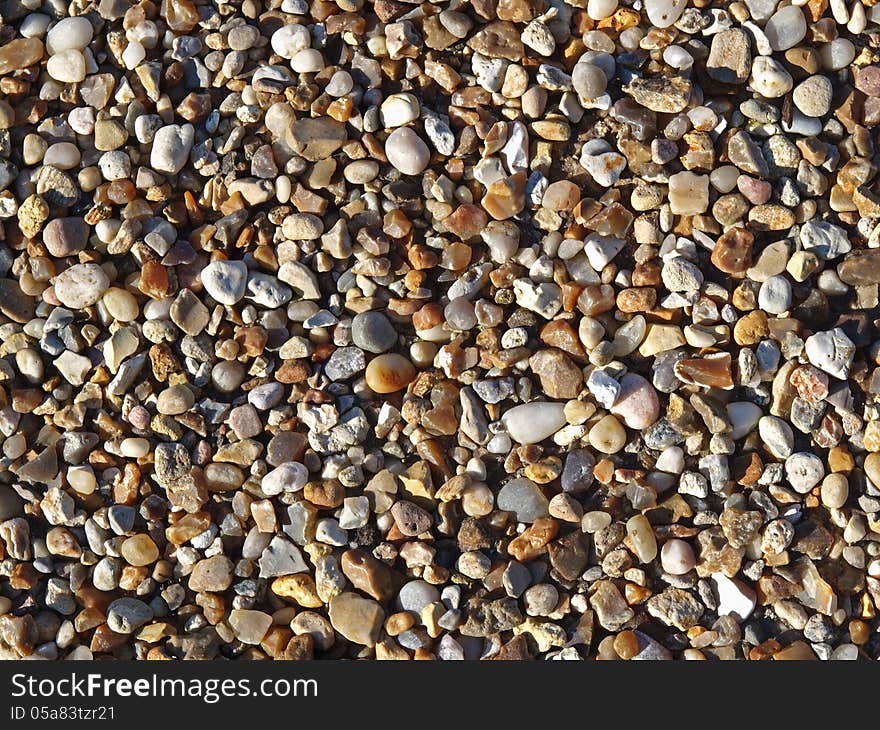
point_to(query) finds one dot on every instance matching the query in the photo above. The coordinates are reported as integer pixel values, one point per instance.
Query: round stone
(171, 148)
(804, 470)
(389, 373)
(533, 422)
(769, 78)
(524, 498)
(776, 435)
(175, 400)
(835, 490)
(81, 285)
(288, 477)
(371, 331)
(589, 81)
(600, 9)
(249, 626)
(663, 13)
(290, 39)
(65, 236)
(127, 615)
(120, 304)
(677, 557)
(140, 550)
(637, 403)
(786, 28)
(774, 297)
(399, 109)
(407, 152)
(607, 436)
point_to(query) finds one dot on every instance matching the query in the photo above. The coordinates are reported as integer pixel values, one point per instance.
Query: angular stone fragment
(316, 139)
(668, 95)
(730, 57)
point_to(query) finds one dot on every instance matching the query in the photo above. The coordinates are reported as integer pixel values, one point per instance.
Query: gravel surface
(495, 329)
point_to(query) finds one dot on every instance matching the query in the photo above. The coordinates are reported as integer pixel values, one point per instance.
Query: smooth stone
(524, 498)
(774, 296)
(663, 13)
(786, 28)
(249, 626)
(641, 536)
(188, 313)
(407, 152)
(68, 67)
(607, 436)
(356, 618)
(589, 80)
(373, 332)
(69, 33)
(389, 373)
(677, 557)
(770, 78)
(126, 615)
(399, 109)
(744, 416)
(776, 435)
(835, 490)
(637, 402)
(65, 236)
(688, 193)
(290, 476)
(533, 422)
(415, 595)
(175, 400)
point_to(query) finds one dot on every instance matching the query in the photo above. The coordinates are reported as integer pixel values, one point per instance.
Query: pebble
(677, 557)
(171, 148)
(389, 373)
(524, 498)
(525, 331)
(734, 598)
(371, 331)
(225, 281)
(531, 423)
(81, 286)
(813, 96)
(69, 33)
(407, 152)
(637, 402)
(65, 236)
